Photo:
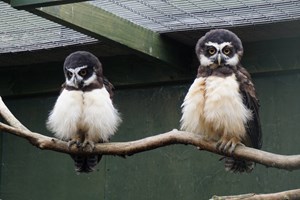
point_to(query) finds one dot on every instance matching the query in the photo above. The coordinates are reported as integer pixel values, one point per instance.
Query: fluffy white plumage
(205, 60)
(89, 112)
(213, 106)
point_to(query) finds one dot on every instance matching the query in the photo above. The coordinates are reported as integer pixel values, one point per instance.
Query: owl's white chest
(91, 113)
(214, 106)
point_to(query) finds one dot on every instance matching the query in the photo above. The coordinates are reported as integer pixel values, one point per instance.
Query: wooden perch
(129, 148)
(173, 137)
(286, 195)
(9, 117)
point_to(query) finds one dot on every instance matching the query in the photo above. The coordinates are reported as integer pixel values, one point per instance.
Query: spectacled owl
(84, 114)
(221, 104)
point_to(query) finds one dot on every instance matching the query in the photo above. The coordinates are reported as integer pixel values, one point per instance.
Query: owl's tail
(86, 163)
(238, 166)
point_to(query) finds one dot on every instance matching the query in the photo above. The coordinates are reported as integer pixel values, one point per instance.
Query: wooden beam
(31, 4)
(107, 27)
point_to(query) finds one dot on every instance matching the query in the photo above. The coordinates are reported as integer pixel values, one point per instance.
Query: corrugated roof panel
(23, 31)
(175, 15)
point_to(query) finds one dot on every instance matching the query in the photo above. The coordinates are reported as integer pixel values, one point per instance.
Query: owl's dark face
(219, 47)
(81, 69)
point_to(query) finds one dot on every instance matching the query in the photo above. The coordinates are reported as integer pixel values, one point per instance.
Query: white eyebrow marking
(71, 70)
(76, 70)
(218, 46)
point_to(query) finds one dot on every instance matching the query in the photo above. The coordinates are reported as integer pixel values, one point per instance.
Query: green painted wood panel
(174, 172)
(272, 55)
(29, 173)
(132, 70)
(1, 162)
(105, 26)
(123, 71)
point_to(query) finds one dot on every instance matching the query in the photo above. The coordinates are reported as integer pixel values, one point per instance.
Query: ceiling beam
(107, 27)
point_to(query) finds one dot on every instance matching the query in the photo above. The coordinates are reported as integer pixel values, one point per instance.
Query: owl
(221, 104)
(84, 114)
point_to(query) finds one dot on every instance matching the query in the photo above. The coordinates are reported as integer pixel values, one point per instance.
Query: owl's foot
(88, 145)
(74, 141)
(228, 145)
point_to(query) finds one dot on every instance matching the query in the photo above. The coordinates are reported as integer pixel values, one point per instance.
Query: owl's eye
(82, 72)
(212, 51)
(69, 74)
(226, 51)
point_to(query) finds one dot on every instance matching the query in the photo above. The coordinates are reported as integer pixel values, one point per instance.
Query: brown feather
(250, 99)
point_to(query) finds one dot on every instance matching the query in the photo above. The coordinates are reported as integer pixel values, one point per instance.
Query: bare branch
(288, 195)
(146, 144)
(153, 142)
(164, 139)
(9, 117)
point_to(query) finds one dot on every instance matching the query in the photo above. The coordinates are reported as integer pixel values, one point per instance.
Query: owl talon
(74, 142)
(88, 145)
(221, 145)
(227, 146)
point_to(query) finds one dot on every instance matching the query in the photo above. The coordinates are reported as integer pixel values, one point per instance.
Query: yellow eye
(226, 51)
(211, 51)
(82, 72)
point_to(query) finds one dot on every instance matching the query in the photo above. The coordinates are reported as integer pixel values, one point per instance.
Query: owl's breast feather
(90, 112)
(214, 105)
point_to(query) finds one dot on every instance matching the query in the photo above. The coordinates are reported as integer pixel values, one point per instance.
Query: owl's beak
(80, 84)
(77, 82)
(219, 59)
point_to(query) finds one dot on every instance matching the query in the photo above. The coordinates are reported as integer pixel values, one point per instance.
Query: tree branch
(288, 195)
(172, 137)
(129, 148)
(9, 117)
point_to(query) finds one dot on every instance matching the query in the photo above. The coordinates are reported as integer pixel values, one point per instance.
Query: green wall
(174, 172)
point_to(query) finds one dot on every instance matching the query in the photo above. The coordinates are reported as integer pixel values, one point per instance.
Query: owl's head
(82, 69)
(219, 47)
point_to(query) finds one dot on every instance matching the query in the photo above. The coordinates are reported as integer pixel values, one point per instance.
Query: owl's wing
(109, 87)
(253, 127)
